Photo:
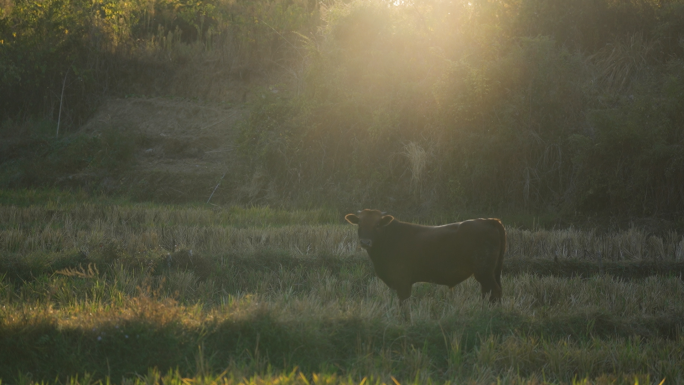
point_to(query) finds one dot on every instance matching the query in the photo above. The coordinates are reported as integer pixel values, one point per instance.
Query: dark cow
(405, 253)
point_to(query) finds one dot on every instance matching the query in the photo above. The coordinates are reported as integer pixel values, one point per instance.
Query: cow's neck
(385, 242)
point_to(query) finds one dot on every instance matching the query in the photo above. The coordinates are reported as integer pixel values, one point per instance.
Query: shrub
(64, 55)
(456, 104)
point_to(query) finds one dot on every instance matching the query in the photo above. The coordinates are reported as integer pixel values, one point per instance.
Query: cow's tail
(502, 250)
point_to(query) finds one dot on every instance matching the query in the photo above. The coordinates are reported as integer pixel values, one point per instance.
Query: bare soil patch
(187, 146)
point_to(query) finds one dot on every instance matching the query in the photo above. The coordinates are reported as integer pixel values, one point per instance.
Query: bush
(630, 156)
(419, 106)
(457, 104)
(65, 55)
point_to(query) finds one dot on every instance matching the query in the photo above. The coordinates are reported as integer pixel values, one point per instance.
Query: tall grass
(68, 225)
(100, 290)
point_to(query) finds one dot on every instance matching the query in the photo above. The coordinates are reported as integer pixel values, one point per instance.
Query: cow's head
(369, 222)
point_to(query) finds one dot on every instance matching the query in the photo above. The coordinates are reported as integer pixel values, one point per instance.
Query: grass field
(101, 290)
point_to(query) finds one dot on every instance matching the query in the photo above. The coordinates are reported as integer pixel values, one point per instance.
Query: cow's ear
(351, 218)
(385, 220)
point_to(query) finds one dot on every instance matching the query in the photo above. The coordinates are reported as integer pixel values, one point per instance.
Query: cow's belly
(393, 276)
(448, 278)
(443, 267)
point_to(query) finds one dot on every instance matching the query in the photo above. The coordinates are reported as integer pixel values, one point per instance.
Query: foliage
(65, 55)
(461, 104)
(422, 107)
(634, 148)
(40, 43)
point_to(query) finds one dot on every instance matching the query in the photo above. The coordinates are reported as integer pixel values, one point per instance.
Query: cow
(405, 253)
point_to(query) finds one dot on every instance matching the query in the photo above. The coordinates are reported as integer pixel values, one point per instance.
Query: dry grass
(557, 328)
(82, 227)
(418, 160)
(619, 63)
(264, 289)
(629, 245)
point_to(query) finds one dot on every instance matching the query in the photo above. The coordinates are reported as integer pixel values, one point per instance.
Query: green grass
(61, 326)
(95, 291)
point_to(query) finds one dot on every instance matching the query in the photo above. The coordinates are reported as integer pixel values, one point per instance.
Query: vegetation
(64, 56)
(95, 289)
(544, 113)
(537, 105)
(458, 104)
(33, 156)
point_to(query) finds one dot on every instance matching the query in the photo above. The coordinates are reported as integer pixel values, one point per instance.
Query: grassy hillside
(95, 289)
(538, 105)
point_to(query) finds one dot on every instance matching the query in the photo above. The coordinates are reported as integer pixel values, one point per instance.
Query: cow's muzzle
(366, 243)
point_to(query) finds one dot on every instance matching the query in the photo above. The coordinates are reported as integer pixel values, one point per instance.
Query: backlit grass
(96, 291)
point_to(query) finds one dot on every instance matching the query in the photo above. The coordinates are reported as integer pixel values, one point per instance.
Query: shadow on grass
(119, 348)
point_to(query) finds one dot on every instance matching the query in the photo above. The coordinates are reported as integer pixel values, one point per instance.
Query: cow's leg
(490, 286)
(404, 292)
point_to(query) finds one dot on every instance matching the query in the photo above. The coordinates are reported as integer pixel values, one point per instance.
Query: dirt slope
(185, 147)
